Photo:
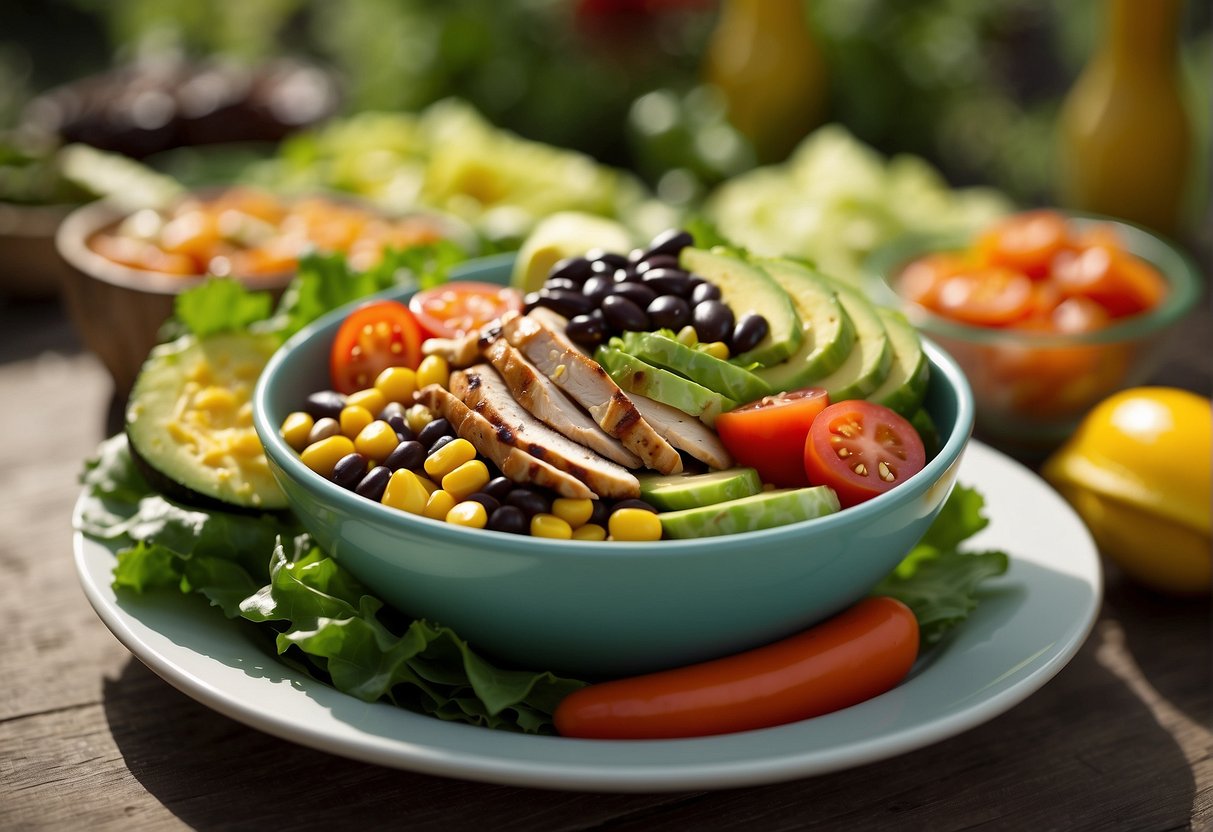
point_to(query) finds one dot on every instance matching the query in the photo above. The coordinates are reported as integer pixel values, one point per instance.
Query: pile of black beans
(604, 293)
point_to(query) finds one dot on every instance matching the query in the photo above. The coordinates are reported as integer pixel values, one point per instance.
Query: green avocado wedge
(661, 350)
(746, 289)
(672, 492)
(870, 359)
(906, 384)
(764, 510)
(829, 333)
(635, 376)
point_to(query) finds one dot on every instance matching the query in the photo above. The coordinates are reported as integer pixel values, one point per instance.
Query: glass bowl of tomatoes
(1047, 312)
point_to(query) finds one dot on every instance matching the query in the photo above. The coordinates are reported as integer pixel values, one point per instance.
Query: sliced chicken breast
(684, 431)
(550, 350)
(543, 400)
(514, 463)
(484, 391)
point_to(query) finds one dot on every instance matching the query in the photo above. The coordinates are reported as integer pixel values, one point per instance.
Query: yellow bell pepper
(1138, 471)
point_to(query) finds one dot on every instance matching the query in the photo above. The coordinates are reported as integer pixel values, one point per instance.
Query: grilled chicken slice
(458, 352)
(588, 384)
(684, 431)
(516, 464)
(543, 400)
(484, 391)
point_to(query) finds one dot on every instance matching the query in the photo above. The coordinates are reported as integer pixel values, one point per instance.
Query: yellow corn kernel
(428, 484)
(716, 349)
(438, 505)
(449, 457)
(549, 525)
(370, 398)
(376, 440)
(322, 456)
(405, 492)
(590, 531)
(634, 524)
(246, 444)
(397, 384)
(467, 479)
(433, 369)
(353, 418)
(417, 417)
(215, 398)
(573, 512)
(295, 429)
(244, 415)
(468, 513)
(687, 336)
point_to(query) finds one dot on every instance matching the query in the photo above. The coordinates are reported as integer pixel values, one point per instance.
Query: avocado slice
(635, 376)
(671, 492)
(746, 288)
(189, 422)
(829, 333)
(662, 350)
(906, 384)
(764, 510)
(869, 362)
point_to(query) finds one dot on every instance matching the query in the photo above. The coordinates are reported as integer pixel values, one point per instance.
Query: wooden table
(89, 738)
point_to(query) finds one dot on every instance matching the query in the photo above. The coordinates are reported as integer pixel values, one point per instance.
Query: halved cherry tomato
(856, 655)
(919, 282)
(990, 296)
(1118, 281)
(768, 434)
(373, 337)
(861, 449)
(1026, 242)
(458, 308)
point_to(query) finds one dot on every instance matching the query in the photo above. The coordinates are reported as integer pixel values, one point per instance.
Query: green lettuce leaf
(221, 305)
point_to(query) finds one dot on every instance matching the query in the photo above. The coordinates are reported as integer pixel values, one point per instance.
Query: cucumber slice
(764, 510)
(829, 333)
(723, 377)
(635, 376)
(871, 358)
(747, 288)
(906, 385)
(672, 492)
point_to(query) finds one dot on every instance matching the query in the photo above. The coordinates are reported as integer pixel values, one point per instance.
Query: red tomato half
(990, 296)
(769, 434)
(861, 449)
(458, 308)
(1025, 242)
(373, 337)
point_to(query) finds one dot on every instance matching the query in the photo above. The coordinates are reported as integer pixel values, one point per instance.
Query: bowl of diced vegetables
(1047, 312)
(661, 457)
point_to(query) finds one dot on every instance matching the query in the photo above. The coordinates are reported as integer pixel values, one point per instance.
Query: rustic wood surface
(89, 738)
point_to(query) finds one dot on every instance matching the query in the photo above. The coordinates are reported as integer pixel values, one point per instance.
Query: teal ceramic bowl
(602, 609)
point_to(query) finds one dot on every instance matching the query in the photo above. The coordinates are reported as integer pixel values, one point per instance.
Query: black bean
(668, 281)
(625, 275)
(670, 241)
(622, 314)
(439, 443)
(436, 428)
(657, 261)
(750, 330)
(613, 258)
(635, 256)
(400, 424)
(530, 502)
(324, 403)
(637, 293)
(374, 483)
(599, 513)
(669, 312)
(601, 268)
(567, 302)
(498, 487)
(562, 283)
(391, 409)
(323, 429)
(597, 287)
(489, 502)
(509, 519)
(704, 291)
(408, 454)
(713, 321)
(576, 269)
(640, 504)
(587, 330)
(349, 470)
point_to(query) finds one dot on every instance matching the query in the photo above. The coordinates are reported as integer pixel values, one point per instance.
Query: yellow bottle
(763, 58)
(1125, 136)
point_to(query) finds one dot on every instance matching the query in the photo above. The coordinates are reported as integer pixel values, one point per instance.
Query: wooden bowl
(30, 268)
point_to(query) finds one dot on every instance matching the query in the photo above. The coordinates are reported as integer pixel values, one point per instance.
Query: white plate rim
(299, 709)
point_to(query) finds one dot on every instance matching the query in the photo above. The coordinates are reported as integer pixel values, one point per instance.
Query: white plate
(1029, 624)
